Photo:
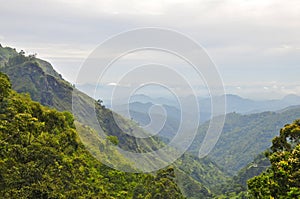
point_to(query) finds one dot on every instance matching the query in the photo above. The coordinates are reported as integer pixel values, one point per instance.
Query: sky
(254, 44)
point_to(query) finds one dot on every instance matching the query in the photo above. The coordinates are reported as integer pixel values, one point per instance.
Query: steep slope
(37, 77)
(41, 156)
(259, 164)
(139, 112)
(237, 185)
(5, 54)
(245, 136)
(282, 179)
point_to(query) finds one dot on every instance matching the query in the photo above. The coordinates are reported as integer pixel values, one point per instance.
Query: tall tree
(282, 179)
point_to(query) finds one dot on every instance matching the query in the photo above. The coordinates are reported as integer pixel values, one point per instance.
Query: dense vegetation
(29, 74)
(273, 174)
(37, 77)
(244, 137)
(41, 156)
(236, 187)
(282, 179)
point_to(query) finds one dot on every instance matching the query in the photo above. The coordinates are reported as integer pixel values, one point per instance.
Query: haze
(255, 44)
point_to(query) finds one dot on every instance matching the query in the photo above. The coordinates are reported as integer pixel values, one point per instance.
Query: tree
(282, 179)
(113, 139)
(100, 103)
(5, 86)
(160, 186)
(41, 156)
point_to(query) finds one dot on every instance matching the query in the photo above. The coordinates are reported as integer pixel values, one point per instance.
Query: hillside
(45, 85)
(281, 179)
(234, 103)
(139, 112)
(245, 136)
(42, 157)
(167, 121)
(37, 77)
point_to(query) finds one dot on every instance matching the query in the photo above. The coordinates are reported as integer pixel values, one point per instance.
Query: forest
(43, 156)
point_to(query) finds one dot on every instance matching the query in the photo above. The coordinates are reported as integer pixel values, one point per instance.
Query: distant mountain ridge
(234, 103)
(245, 136)
(38, 78)
(43, 157)
(139, 109)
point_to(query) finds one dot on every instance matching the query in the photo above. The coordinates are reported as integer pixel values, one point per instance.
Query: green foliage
(31, 75)
(5, 54)
(282, 180)
(244, 137)
(160, 186)
(37, 77)
(41, 156)
(204, 171)
(4, 86)
(237, 185)
(190, 187)
(260, 164)
(113, 139)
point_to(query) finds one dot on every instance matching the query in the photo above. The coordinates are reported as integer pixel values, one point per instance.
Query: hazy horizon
(254, 44)
(89, 89)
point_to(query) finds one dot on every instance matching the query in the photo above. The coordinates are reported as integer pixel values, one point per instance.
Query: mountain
(166, 122)
(242, 139)
(238, 104)
(245, 136)
(234, 103)
(254, 168)
(38, 78)
(34, 76)
(42, 156)
(289, 108)
(281, 179)
(292, 99)
(45, 85)
(104, 92)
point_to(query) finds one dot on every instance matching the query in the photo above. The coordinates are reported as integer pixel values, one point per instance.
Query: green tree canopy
(41, 156)
(282, 179)
(5, 86)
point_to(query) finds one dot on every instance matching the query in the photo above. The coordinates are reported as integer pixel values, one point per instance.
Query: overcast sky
(254, 43)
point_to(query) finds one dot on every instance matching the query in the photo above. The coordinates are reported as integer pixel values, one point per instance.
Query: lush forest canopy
(43, 156)
(31, 75)
(245, 136)
(282, 179)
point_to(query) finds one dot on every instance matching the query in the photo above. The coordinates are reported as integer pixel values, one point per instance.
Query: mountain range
(248, 129)
(234, 103)
(37, 78)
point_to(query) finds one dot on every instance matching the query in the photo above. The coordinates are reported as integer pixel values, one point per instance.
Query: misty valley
(50, 151)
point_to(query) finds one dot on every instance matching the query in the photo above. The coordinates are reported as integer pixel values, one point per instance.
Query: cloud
(112, 84)
(250, 41)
